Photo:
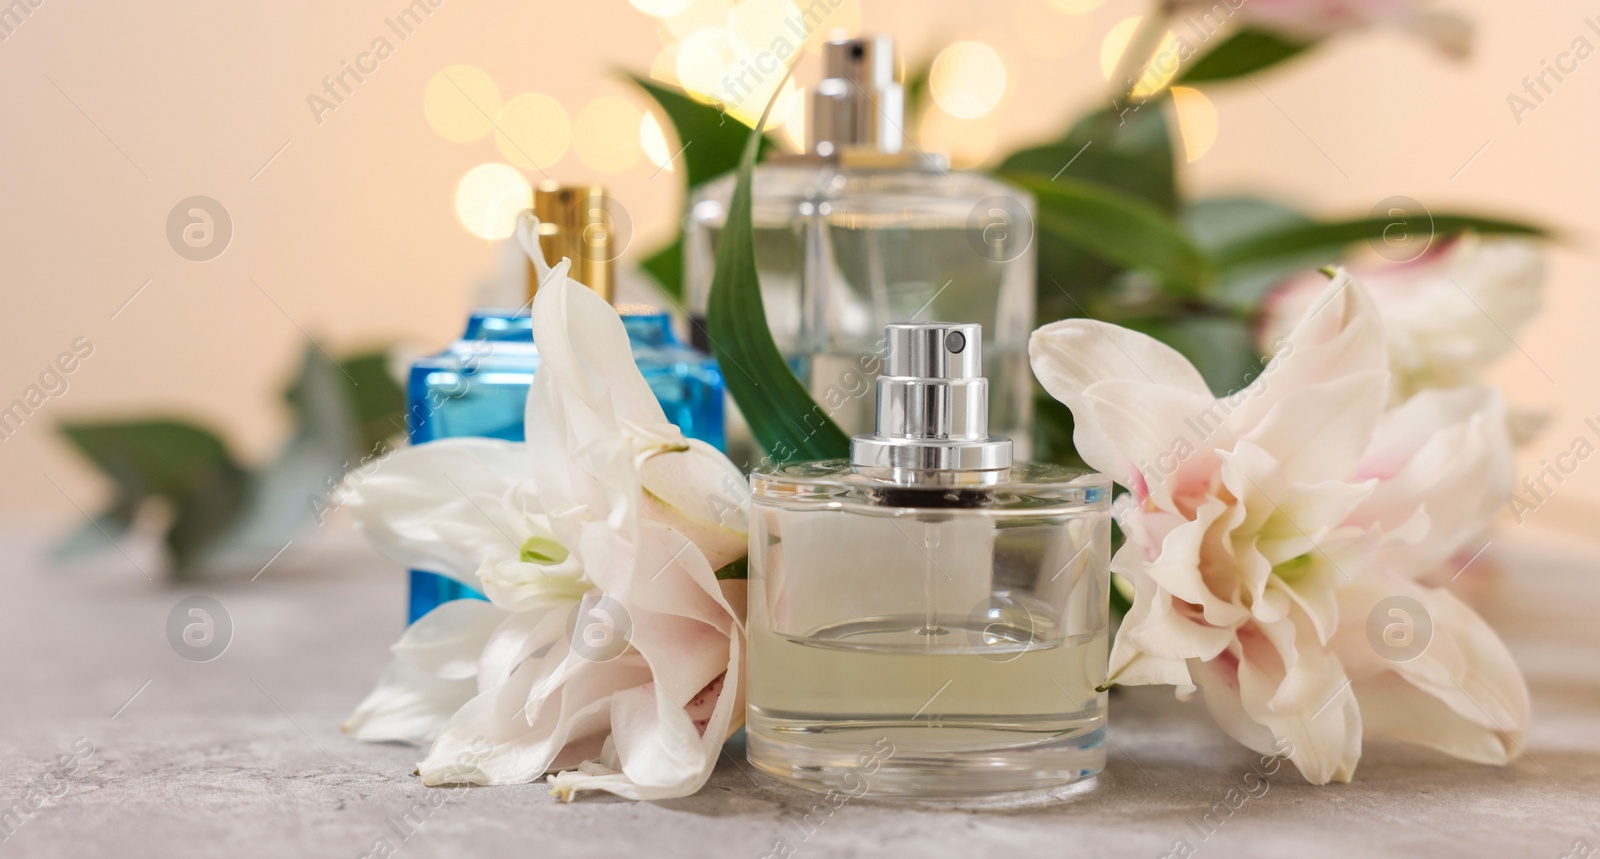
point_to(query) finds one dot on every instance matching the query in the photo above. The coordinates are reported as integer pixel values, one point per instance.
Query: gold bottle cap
(574, 223)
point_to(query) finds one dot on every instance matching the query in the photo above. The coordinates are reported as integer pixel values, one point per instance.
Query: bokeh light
(654, 142)
(1160, 71)
(845, 21)
(967, 140)
(604, 134)
(794, 120)
(968, 79)
(1197, 121)
(664, 67)
(489, 197)
(660, 8)
(698, 15)
(461, 102)
(705, 58)
(764, 25)
(533, 130)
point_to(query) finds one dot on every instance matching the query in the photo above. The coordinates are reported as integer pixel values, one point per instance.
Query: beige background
(115, 111)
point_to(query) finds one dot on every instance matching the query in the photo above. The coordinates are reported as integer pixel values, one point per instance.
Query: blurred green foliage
(218, 512)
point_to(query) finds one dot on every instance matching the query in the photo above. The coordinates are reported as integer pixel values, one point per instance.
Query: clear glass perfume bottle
(930, 617)
(859, 232)
(479, 385)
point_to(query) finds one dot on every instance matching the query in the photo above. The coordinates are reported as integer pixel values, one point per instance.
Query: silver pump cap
(933, 403)
(860, 103)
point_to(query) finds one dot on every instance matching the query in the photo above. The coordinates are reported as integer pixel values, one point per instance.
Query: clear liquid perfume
(479, 385)
(860, 232)
(930, 617)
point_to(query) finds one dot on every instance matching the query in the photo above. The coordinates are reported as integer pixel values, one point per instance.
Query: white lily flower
(608, 647)
(1272, 535)
(1447, 315)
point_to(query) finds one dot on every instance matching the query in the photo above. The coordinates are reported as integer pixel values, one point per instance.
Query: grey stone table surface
(154, 755)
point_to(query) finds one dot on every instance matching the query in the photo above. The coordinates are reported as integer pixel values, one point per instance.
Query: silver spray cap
(859, 104)
(933, 403)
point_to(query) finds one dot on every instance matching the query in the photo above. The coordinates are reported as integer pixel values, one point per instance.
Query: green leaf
(1052, 432)
(100, 532)
(1128, 151)
(711, 141)
(289, 493)
(1120, 603)
(783, 418)
(1249, 50)
(710, 138)
(739, 569)
(1223, 349)
(151, 457)
(187, 466)
(915, 87)
(666, 267)
(378, 401)
(1217, 222)
(1329, 239)
(1118, 229)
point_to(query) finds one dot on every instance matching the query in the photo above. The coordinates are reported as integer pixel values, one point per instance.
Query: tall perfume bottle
(866, 229)
(479, 385)
(929, 617)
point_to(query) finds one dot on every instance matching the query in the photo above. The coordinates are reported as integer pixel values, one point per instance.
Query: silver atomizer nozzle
(933, 403)
(859, 103)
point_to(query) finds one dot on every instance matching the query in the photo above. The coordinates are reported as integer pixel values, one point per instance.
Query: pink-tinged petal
(659, 749)
(1143, 525)
(1446, 453)
(1130, 667)
(685, 635)
(677, 615)
(1319, 432)
(1218, 681)
(1298, 691)
(1339, 335)
(1395, 709)
(1154, 432)
(489, 740)
(1434, 645)
(1130, 664)
(657, 740)
(1179, 569)
(1172, 629)
(1073, 354)
(736, 593)
(597, 631)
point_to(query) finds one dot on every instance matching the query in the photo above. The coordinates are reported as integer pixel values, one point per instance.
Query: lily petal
(1070, 355)
(435, 506)
(1447, 453)
(1482, 708)
(434, 673)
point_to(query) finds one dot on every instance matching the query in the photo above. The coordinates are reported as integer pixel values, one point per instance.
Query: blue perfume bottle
(479, 385)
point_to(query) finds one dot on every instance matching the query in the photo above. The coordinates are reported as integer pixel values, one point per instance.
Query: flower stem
(1142, 45)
